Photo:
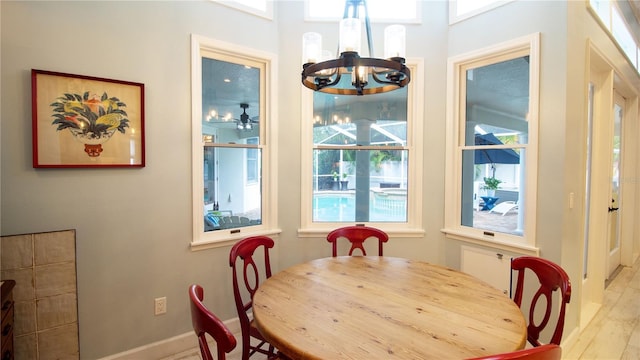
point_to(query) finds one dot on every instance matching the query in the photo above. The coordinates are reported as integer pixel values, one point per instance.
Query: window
(262, 8)
(491, 152)
(402, 11)
(612, 21)
(253, 161)
(361, 159)
(231, 146)
(464, 9)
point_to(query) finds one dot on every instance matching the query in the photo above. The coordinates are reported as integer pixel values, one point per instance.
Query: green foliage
(379, 156)
(491, 183)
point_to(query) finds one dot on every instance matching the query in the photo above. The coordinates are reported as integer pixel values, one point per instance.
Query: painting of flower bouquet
(81, 121)
(90, 120)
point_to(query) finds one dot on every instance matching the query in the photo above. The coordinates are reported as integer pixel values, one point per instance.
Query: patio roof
(383, 132)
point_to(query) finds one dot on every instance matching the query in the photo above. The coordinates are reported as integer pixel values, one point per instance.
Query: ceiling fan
(245, 122)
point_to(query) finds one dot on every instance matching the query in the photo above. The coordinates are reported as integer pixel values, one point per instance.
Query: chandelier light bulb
(311, 47)
(361, 73)
(395, 42)
(350, 35)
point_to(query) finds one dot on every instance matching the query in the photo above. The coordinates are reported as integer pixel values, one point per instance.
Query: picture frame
(86, 122)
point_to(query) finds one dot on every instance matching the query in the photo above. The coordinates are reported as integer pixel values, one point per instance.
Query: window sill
(322, 232)
(501, 244)
(230, 240)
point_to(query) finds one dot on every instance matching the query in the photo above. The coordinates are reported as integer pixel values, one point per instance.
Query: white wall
(134, 225)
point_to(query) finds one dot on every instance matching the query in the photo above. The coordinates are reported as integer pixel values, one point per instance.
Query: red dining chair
(543, 352)
(356, 235)
(205, 322)
(551, 277)
(241, 260)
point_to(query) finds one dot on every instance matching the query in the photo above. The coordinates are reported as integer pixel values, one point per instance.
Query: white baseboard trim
(570, 340)
(170, 346)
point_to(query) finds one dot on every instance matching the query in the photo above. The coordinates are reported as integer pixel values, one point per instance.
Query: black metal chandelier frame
(387, 74)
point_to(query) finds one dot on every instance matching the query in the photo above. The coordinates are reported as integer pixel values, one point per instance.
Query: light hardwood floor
(613, 334)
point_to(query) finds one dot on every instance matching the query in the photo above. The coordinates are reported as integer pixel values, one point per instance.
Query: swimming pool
(341, 207)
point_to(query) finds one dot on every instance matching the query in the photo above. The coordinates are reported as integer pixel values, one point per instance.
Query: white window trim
(413, 227)
(455, 103)
(267, 14)
(453, 10)
(606, 25)
(416, 20)
(268, 144)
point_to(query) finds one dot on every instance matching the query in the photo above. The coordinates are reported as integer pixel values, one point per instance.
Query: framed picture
(83, 122)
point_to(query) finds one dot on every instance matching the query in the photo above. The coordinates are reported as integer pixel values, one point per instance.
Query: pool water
(342, 208)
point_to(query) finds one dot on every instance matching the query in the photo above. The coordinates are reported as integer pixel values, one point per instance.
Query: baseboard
(170, 346)
(570, 340)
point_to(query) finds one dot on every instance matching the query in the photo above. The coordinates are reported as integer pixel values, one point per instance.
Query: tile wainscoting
(46, 312)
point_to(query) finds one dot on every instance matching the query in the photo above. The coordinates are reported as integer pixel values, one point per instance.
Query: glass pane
(230, 203)
(230, 101)
(497, 101)
(378, 9)
(492, 205)
(360, 185)
(614, 221)
(253, 162)
(378, 119)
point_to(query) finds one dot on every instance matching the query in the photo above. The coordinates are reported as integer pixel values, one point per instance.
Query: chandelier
(367, 75)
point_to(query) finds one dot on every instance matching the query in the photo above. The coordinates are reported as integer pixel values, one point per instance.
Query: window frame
(252, 161)
(415, 125)
(453, 10)
(267, 13)
(456, 103)
(267, 144)
(374, 19)
(604, 16)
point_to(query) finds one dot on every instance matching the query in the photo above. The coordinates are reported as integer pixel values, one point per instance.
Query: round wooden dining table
(370, 307)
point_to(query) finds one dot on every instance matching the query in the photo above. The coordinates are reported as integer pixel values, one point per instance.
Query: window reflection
(231, 135)
(495, 138)
(360, 158)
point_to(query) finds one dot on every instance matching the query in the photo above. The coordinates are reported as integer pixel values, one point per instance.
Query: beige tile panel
(17, 251)
(24, 289)
(55, 279)
(60, 343)
(25, 347)
(25, 317)
(57, 310)
(54, 247)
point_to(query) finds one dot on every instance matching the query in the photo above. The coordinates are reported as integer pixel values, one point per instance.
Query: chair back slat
(244, 260)
(551, 278)
(205, 322)
(356, 236)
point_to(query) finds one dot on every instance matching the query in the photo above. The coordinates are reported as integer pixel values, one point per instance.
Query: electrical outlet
(161, 306)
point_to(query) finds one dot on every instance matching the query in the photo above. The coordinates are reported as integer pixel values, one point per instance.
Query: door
(613, 240)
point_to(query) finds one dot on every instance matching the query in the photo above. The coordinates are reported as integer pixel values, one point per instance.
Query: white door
(613, 242)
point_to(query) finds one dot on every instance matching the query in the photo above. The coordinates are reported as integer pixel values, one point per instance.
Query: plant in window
(491, 183)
